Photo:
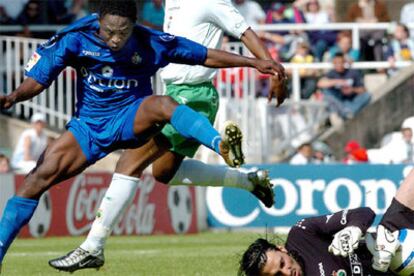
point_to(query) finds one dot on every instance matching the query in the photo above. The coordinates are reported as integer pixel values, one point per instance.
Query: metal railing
(355, 28)
(267, 131)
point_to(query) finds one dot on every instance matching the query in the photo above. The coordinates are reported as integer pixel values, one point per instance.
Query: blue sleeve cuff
(38, 79)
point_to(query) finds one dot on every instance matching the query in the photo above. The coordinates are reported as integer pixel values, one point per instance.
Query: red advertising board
(70, 207)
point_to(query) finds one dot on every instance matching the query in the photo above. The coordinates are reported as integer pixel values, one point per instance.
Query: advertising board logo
(303, 198)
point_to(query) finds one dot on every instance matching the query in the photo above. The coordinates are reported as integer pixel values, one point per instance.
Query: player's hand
(345, 241)
(6, 102)
(278, 79)
(278, 89)
(382, 248)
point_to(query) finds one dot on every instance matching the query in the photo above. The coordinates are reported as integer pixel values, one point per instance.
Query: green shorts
(204, 99)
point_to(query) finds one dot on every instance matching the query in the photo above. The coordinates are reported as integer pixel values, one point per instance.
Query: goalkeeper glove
(345, 241)
(382, 248)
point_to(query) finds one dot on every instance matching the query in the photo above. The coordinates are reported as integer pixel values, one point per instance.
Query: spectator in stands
(355, 153)
(4, 164)
(370, 11)
(401, 148)
(31, 144)
(303, 155)
(322, 153)
(251, 11)
(11, 9)
(5, 19)
(294, 12)
(401, 47)
(65, 12)
(285, 43)
(153, 14)
(344, 46)
(320, 40)
(274, 40)
(307, 76)
(276, 15)
(30, 15)
(408, 146)
(407, 17)
(343, 89)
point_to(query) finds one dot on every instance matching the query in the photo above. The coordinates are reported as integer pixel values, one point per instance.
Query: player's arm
(28, 89)
(223, 14)
(255, 44)
(221, 59)
(278, 83)
(184, 51)
(44, 66)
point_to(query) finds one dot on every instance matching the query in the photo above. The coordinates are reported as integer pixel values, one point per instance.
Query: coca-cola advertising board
(70, 207)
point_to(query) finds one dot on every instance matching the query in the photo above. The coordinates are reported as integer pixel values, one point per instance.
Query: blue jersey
(108, 80)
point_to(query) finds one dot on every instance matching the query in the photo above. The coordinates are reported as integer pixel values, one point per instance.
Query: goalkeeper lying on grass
(332, 245)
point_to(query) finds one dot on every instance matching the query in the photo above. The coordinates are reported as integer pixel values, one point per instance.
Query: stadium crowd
(343, 89)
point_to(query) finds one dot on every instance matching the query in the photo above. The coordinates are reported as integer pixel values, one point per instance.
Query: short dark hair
(124, 8)
(405, 28)
(339, 55)
(254, 258)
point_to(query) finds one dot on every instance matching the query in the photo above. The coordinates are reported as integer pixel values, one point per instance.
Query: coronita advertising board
(303, 191)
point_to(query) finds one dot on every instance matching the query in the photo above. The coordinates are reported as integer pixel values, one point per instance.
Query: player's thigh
(165, 167)
(61, 160)
(133, 161)
(153, 110)
(405, 193)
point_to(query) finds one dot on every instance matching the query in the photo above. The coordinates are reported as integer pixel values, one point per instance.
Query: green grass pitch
(199, 254)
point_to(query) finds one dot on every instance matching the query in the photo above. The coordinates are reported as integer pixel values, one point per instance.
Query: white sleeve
(223, 14)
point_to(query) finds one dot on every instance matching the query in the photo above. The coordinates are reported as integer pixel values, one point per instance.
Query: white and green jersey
(202, 21)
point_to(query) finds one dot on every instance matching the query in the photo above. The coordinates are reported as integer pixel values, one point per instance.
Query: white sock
(196, 173)
(118, 196)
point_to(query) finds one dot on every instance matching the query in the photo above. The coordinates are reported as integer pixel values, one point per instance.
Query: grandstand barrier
(70, 208)
(306, 190)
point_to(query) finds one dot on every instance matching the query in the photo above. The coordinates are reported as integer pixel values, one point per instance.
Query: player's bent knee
(167, 106)
(163, 176)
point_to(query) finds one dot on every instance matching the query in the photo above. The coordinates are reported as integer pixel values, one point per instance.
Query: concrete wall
(395, 102)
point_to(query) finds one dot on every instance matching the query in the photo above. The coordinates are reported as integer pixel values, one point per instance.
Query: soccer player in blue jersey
(114, 59)
(203, 21)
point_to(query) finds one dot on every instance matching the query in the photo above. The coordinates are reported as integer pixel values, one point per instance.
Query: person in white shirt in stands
(401, 150)
(303, 156)
(31, 144)
(407, 16)
(251, 11)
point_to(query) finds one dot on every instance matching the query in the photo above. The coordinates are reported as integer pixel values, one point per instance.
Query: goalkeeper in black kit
(333, 245)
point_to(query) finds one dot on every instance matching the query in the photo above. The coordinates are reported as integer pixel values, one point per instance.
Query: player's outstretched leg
(78, 259)
(196, 173)
(90, 254)
(61, 160)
